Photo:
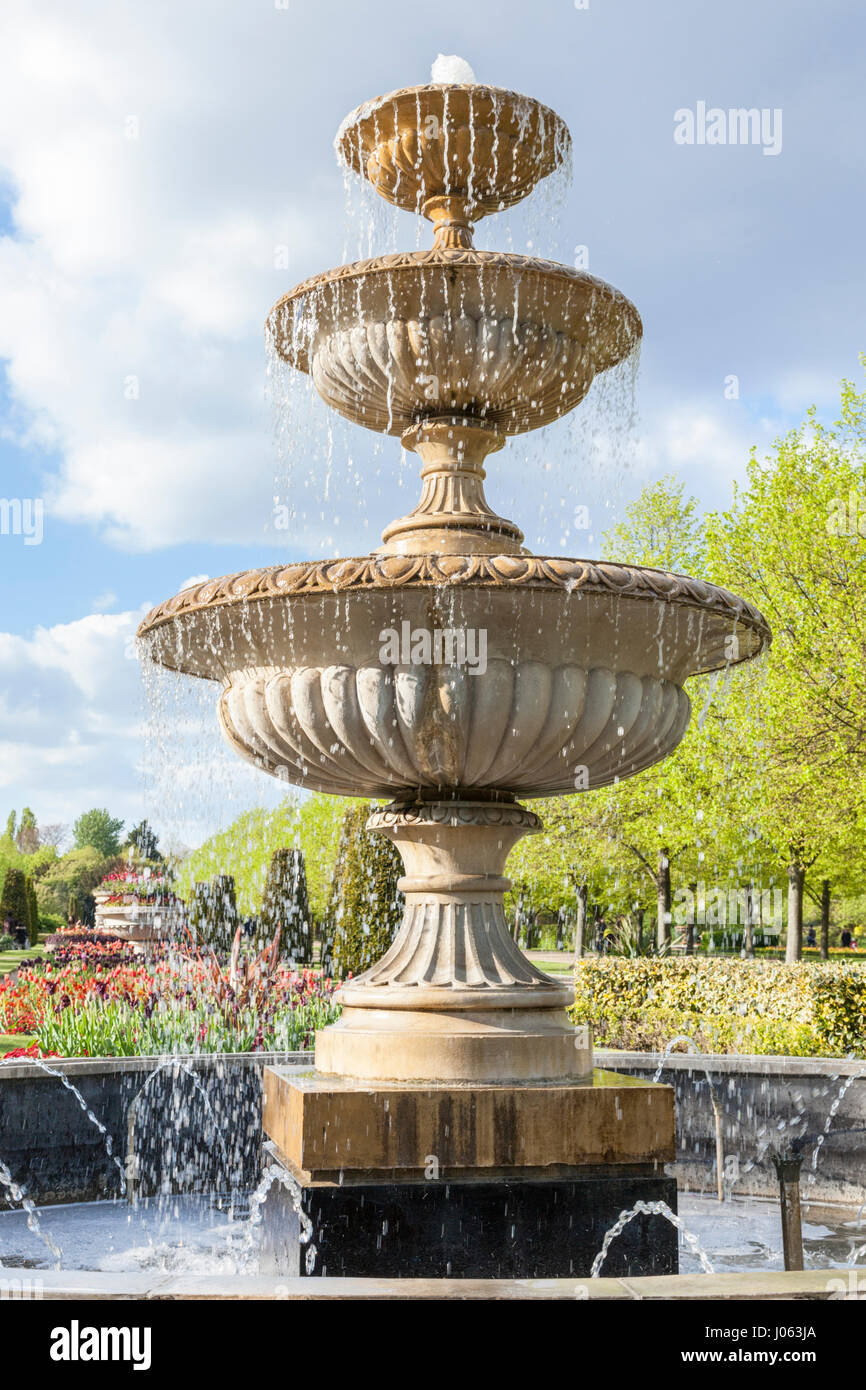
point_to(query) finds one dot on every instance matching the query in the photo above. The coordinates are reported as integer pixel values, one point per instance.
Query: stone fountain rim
(466, 258)
(369, 573)
(369, 108)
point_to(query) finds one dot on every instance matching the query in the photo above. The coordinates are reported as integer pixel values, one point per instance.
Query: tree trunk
(749, 924)
(597, 932)
(692, 924)
(663, 894)
(639, 916)
(794, 946)
(580, 922)
(825, 919)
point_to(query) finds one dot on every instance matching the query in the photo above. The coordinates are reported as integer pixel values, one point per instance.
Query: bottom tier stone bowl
(554, 674)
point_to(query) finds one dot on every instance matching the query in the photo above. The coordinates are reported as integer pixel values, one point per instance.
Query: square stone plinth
(332, 1129)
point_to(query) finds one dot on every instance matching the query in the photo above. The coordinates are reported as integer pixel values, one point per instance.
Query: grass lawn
(10, 960)
(556, 967)
(9, 1041)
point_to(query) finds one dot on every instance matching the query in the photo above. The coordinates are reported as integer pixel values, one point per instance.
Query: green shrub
(285, 905)
(724, 1005)
(367, 905)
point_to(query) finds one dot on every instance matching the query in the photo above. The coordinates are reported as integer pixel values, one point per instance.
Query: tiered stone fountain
(452, 1124)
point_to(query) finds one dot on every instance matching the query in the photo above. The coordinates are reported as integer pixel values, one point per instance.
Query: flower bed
(738, 1006)
(125, 887)
(95, 952)
(177, 1004)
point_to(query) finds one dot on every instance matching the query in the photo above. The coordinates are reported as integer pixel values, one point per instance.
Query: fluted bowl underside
(523, 727)
(511, 340)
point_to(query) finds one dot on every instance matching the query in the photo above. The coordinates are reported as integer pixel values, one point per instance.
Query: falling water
(649, 1209)
(17, 1194)
(94, 1120)
(276, 1173)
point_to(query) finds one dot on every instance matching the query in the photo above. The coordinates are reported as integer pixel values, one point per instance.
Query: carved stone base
(454, 999)
(484, 1045)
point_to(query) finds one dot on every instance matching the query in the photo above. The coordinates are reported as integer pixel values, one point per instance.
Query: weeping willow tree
(366, 905)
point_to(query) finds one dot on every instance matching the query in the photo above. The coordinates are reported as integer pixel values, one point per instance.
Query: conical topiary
(33, 913)
(328, 925)
(369, 906)
(15, 900)
(285, 905)
(213, 913)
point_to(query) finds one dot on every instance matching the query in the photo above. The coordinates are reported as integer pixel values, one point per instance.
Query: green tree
(75, 874)
(99, 830)
(656, 816)
(247, 845)
(32, 913)
(285, 904)
(369, 906)
(27, 836)
(794, 542)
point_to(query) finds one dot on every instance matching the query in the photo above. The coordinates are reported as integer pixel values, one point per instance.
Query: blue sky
(152, 157)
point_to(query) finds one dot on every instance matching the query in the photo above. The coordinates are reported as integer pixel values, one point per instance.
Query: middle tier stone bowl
(510, 340)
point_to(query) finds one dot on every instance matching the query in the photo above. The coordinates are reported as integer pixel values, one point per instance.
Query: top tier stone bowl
(451, 670)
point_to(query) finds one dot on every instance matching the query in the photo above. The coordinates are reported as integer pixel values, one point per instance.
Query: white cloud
(133, 293)
(71, 713)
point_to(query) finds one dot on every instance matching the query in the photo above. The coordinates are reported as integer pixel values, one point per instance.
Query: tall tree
(285, 905)
(794, 542)
(98, 829)
(27, 836)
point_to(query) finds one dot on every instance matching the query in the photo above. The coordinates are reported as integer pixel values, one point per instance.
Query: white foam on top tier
(449, 68)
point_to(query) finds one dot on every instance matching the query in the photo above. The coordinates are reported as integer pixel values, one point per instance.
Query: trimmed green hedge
(802, 1010)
